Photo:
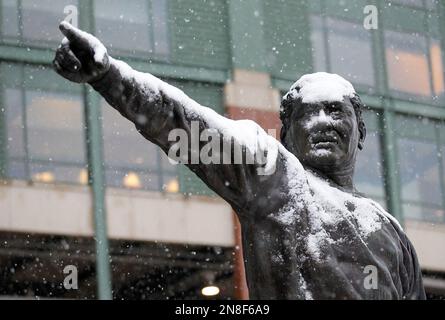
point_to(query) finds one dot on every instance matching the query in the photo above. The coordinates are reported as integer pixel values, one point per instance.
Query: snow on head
(321, 86)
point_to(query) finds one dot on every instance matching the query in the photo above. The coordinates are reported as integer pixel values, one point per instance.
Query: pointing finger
(84, 40)
(72, 33)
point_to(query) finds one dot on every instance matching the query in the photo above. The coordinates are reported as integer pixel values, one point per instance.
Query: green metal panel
(96, 177)
(391, 172)
(441, 12)
(347, 10)
(440, 136)
(11, 75)
(415, 108)
(389, 156)
(371, 119)
(378, 54)
(42, 77)
(315, 7)
(206, 94)
(287, 33)
(190, 184)
(403, 19)
(35, 77)
(18, 53)
(414, 128)
(371, 100)
(3, 136)
(180, 71)
(434, 24)
(282, 84)
(199, 33)
(247, 35)
(96, 171)
(1, 18)
(45, 56)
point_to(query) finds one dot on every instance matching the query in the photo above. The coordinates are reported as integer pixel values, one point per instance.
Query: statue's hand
(81, 57)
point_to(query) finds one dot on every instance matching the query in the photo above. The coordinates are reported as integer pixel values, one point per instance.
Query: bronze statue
(307, 232)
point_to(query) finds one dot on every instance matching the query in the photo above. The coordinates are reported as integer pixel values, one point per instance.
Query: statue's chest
(317, 220)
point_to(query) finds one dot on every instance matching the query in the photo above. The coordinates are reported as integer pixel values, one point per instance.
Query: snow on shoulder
(246, 132)
(321, 86)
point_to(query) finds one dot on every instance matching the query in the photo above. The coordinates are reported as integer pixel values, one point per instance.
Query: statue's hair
(289, 104)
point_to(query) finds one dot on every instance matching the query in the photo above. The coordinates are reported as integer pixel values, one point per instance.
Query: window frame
(376, 125)
(153, 169)
(138, 54)
(19, 83)
(435, 139)
(24, 42)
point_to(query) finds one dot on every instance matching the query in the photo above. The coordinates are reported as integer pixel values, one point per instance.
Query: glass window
(440, 214)
(423, 213)
(14, 122)
(10, 22)
(347, 47)
(44, 128)
(131, 160)
(15, 142)
(368, 171)
(419, 169)
(20, 19)
(408, 64)
(414, 3)
(160, 28)
(429, 4)
(350, 51)
(55, 134)
(432, 4)
(130, 26)
(53, 119)
(437, 68)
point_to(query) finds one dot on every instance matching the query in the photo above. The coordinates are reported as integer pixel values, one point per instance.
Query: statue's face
(326, 135)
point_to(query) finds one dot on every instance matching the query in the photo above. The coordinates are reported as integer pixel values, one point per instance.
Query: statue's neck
(342, 178)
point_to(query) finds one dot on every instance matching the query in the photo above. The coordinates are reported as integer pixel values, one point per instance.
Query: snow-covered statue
(307, 233)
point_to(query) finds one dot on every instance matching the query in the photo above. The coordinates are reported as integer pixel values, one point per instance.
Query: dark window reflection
(20, 19)
(344, 48)
(407, 58)
(420, 169)
(350, 51)
(44, 129)
(10, 19)
(132, 161)
(369, 170)
(132, 26)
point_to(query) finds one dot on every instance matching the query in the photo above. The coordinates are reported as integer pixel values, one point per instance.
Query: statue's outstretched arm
(241, 170)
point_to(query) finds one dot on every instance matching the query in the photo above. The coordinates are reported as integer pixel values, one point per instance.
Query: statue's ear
(362, 134)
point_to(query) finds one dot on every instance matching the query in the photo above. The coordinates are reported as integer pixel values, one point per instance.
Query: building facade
(80, 187)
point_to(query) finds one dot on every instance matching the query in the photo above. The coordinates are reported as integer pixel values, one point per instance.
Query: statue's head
(322, 122)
